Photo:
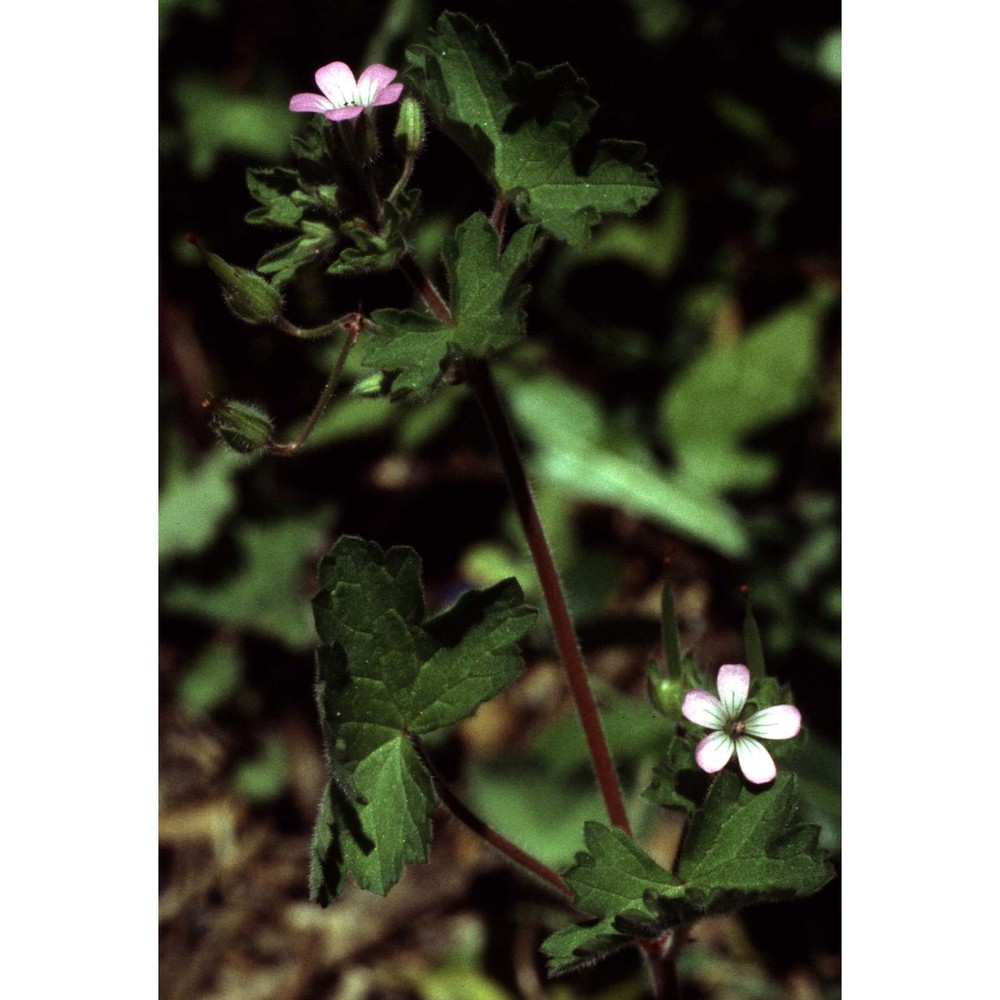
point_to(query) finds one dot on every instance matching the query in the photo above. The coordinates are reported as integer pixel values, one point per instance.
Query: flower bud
(243, 426)
(252, 298)
(409, 134)
(666, 695)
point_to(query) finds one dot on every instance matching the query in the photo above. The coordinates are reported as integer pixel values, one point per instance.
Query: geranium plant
(391, 671)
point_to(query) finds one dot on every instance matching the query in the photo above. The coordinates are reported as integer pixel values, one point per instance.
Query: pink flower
(344, 97)
(722, 714)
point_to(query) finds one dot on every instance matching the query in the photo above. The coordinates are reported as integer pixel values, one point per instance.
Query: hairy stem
(477, 374)
(480, 379)
(479, 826)
(287, 450)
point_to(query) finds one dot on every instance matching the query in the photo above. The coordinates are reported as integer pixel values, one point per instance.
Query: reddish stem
(465, 815)
(479, 377)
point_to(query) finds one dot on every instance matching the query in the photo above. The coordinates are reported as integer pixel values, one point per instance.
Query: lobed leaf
(386, 672)
(525, 130)
(487, 302)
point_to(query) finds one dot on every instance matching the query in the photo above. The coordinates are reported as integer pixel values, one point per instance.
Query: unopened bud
(244, 427)
(409, 134)
(666, 695)
(246, 293)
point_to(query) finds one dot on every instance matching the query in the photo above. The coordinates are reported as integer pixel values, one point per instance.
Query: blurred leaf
(735, 389)
(400, 21)
(211, 680)
(578, 453)
(524, 130)
(828, 57)
(217, 120)
(207, 9)
(351, 417)
(660, 20)
(487, 301)
(386, 672)
(654, 246)
(193, 504)
(265, 593)
(264, 778)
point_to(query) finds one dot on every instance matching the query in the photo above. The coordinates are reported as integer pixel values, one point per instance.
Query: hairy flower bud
(246, 293)
(244, 427)
(409, 134)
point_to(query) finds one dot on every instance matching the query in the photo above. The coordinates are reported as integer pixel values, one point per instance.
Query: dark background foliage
(738, 104)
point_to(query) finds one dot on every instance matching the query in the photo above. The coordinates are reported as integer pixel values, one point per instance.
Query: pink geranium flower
(344, 97)
(733, 734)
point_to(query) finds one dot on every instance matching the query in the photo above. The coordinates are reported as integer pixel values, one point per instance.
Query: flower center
(737, 728)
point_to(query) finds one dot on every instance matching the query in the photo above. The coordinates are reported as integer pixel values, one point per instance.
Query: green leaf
(282, 262)
(745, 845)
(285, 198)
(618, 882)
(733, 390)
(524, 130)
(372, 250)
(487, 302)
(385, 671)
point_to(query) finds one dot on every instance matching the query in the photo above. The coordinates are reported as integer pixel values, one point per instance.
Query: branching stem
(350, 338)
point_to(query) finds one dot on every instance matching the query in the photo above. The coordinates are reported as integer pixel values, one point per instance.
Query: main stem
(480, 379)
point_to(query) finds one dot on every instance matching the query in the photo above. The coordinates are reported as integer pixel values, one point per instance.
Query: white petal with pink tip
(755, 762)
(703, 709)
(780, 722)
(714, 751)
(734, 685)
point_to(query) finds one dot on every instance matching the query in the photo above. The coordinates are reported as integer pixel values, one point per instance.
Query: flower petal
(780, 722)
(714, 751)
(755, 762)
(375, 78)
(388, 95)
(309, 102)
(734, 686)
(704, 709)
(337, 81)
(342, 114)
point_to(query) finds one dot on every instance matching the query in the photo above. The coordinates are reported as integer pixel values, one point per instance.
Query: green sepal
(386, 671)
(525, 130)
(246, 428)
(487, 303)
(246, 293)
